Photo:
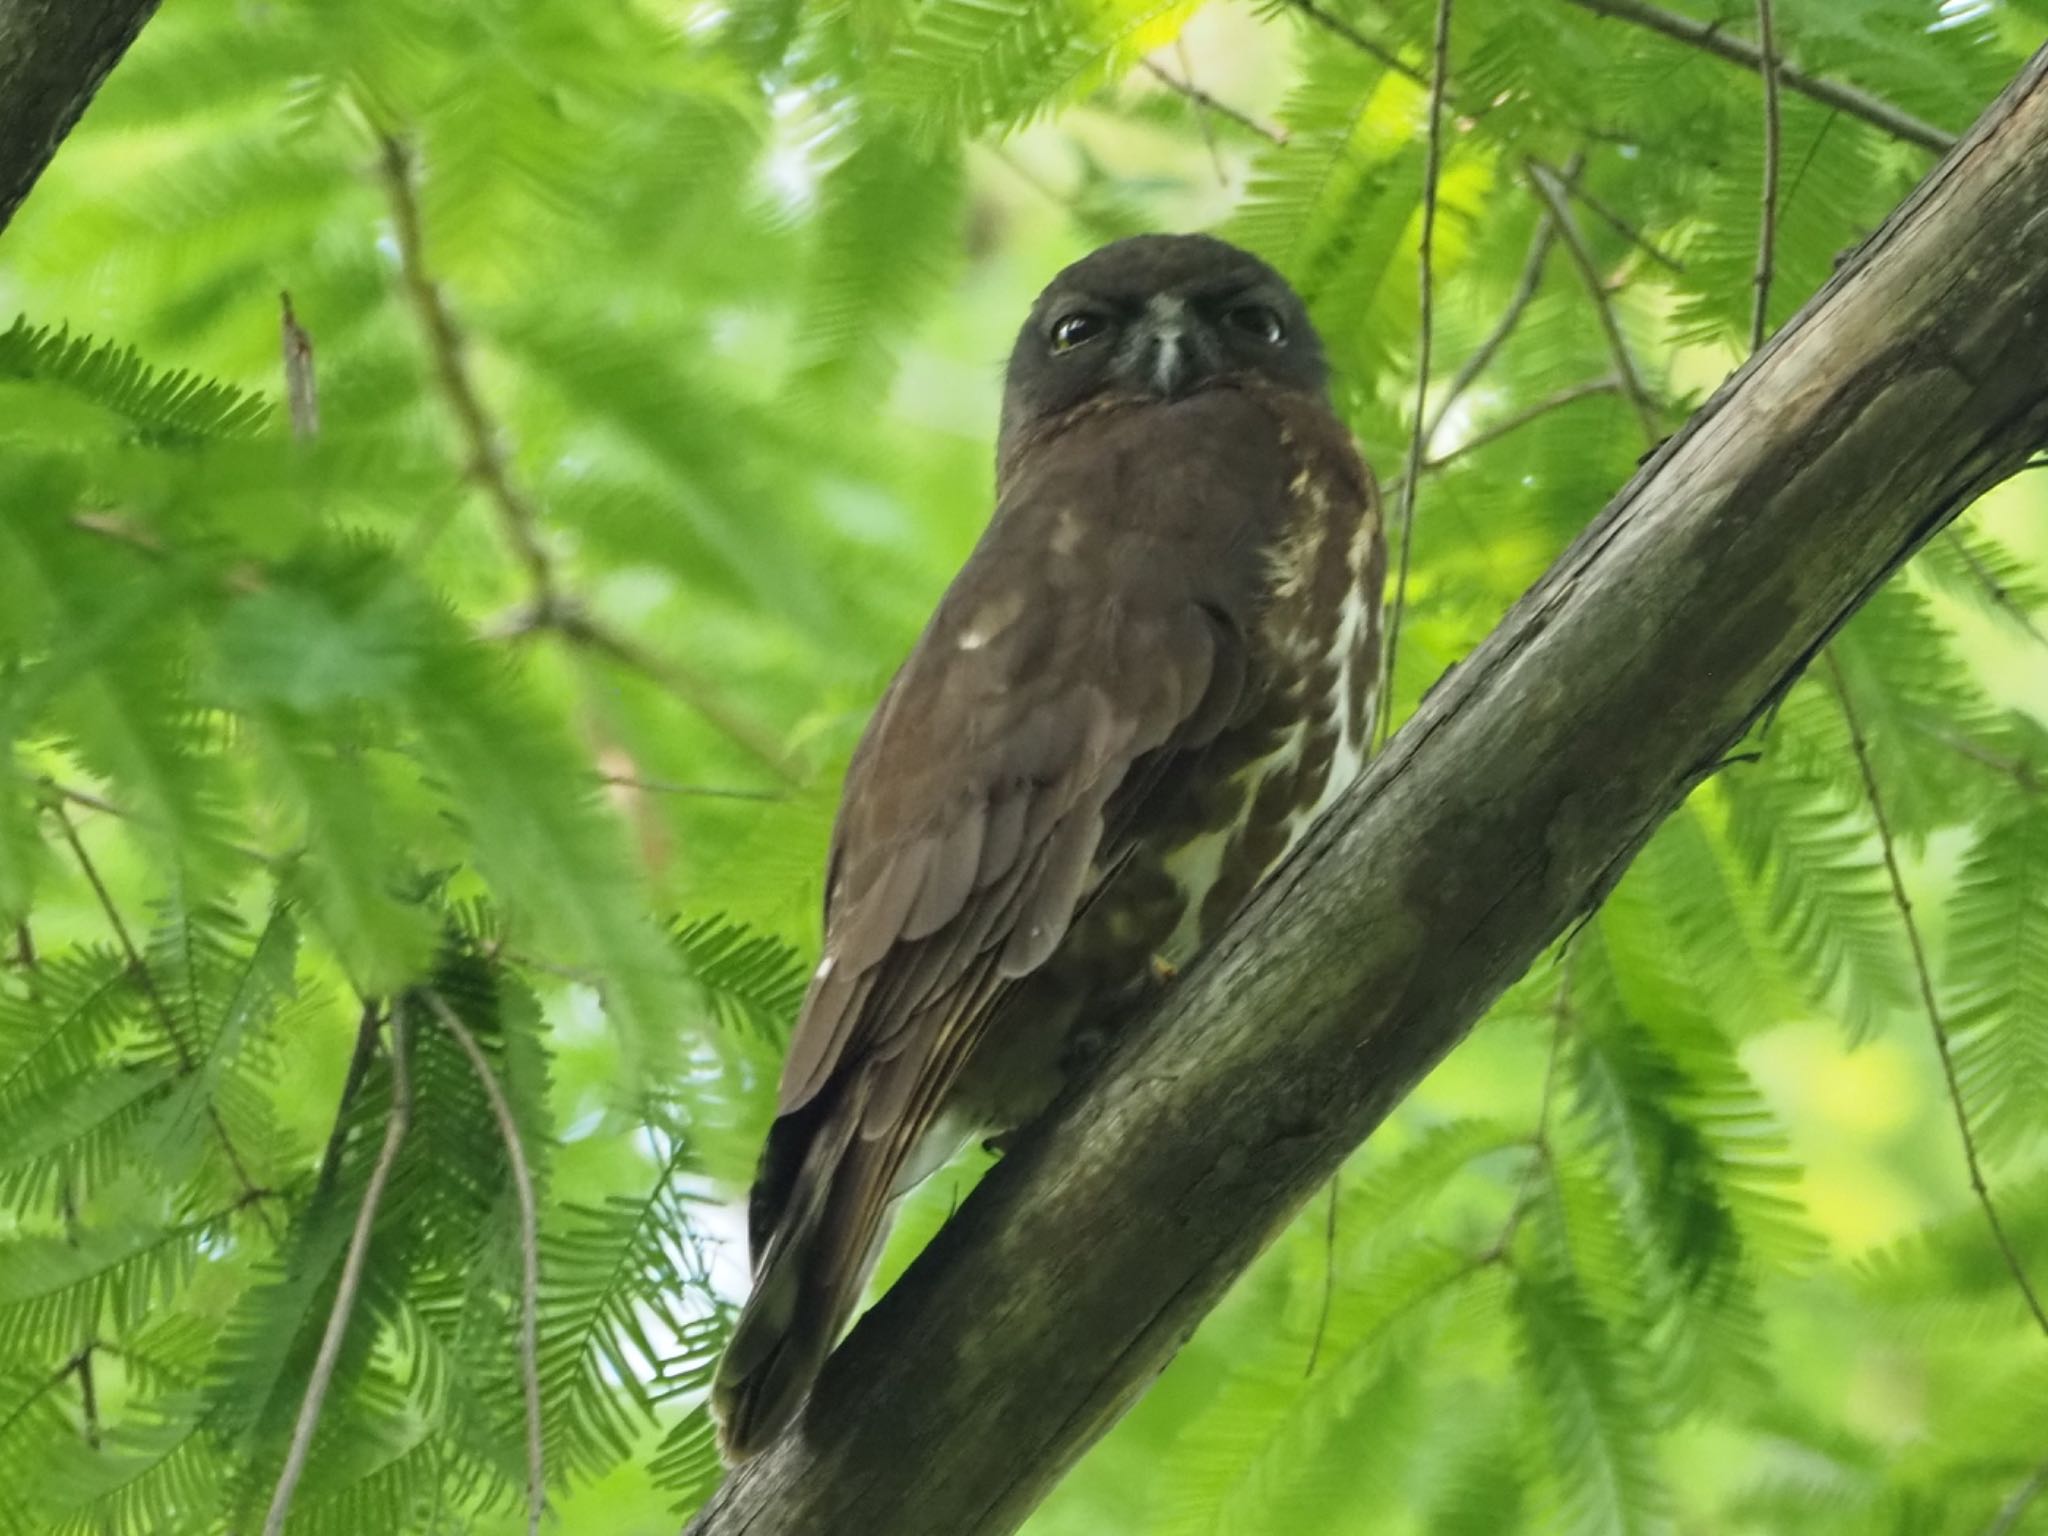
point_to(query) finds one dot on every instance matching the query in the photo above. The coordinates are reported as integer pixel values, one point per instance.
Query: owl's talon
(1163, 970)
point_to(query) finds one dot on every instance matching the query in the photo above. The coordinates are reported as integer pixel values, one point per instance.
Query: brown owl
(1156, 668)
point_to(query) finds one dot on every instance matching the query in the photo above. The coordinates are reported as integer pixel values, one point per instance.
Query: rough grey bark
(1916, 380)
(53, 56)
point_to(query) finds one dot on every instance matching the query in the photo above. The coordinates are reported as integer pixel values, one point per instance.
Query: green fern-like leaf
(965, 65)
(1599, 1460)
(178, 408)
(1997, 977)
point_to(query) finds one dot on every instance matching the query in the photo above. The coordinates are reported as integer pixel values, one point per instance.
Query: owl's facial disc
(1158, 317)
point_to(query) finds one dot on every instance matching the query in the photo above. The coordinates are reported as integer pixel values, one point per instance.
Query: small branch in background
(1767, 235)
(1561, 1016)
(1315, 1343)
(1996, 590)
(106, 807)
(1425, 285)
(1204, 102)
(136, 965)
(549, 606)
(1552, 194)
(2023, 774)
(1709, 37)
(322, 1375)
(146, 979)
(301, 390)
(674, 678)
(1337, 26)
(1604, 212)
(1495, 431)
(706, 791)
(1518, 304)
(1903, 903)
(2007, 1520)
(81, 1363)
(359, 1061)
(517, 516)
(529, 1257)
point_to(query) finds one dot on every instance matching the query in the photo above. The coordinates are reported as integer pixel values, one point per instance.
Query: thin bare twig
(1925, 975)
(1709, 37)
(1337, 26)
(550, 606)
(1204, 102)
(1526, 1190)
(81, 1363)
(300, 387)
(529, 1257)
(704, 791)
(322, 1375)
(1315, 1343)
(146, 979)
(1518, 303)
(517, 516)
(367, 1025)
(672, 677)
(2008, 1517)
(2001, 597)
(1493, 432)
(1767, 235)
(1547, 188)
(93, 802)
(2023, 774)
(1426, 285)
(1605, 213)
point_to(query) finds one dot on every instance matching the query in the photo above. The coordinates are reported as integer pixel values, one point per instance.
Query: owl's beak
(1166, 356)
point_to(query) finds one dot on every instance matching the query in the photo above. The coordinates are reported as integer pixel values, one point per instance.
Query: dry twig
(322, 1375)
(146, 979)
(1709, 37)
(1339, 27)
(1924, 973)
(529, 1256)
(1767, 236)
(1518, 304)
(550, 605)
(301, 389)
(1204, 102)
(1425, 283)
(1547, 188)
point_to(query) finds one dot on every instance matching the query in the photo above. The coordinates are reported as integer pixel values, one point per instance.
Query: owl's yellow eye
(1257, 320)
(1077, 329)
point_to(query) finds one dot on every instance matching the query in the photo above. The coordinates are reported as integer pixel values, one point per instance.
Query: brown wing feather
(1097, 636)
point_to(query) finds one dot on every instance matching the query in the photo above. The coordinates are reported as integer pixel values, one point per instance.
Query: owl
(1156, 668)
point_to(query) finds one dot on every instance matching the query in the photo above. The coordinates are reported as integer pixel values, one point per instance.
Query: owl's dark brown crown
(1159, 317)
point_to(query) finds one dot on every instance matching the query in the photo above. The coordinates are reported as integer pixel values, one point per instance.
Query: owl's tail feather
(823, 1232)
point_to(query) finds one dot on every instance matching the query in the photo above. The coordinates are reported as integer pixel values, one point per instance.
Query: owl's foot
(1163, 970)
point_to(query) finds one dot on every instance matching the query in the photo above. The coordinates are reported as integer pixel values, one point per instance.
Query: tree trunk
(1505, 809)
(53, 56)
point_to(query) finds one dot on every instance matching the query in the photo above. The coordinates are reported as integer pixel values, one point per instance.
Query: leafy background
(658, 346)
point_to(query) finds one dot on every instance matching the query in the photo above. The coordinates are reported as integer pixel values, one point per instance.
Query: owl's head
(1160, 317)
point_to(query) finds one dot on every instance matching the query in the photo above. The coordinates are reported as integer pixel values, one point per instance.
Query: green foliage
(295, 738)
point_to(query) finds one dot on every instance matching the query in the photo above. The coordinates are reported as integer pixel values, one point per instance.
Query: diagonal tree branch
(53, 56)
(1502, 811)
(1708, 36)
